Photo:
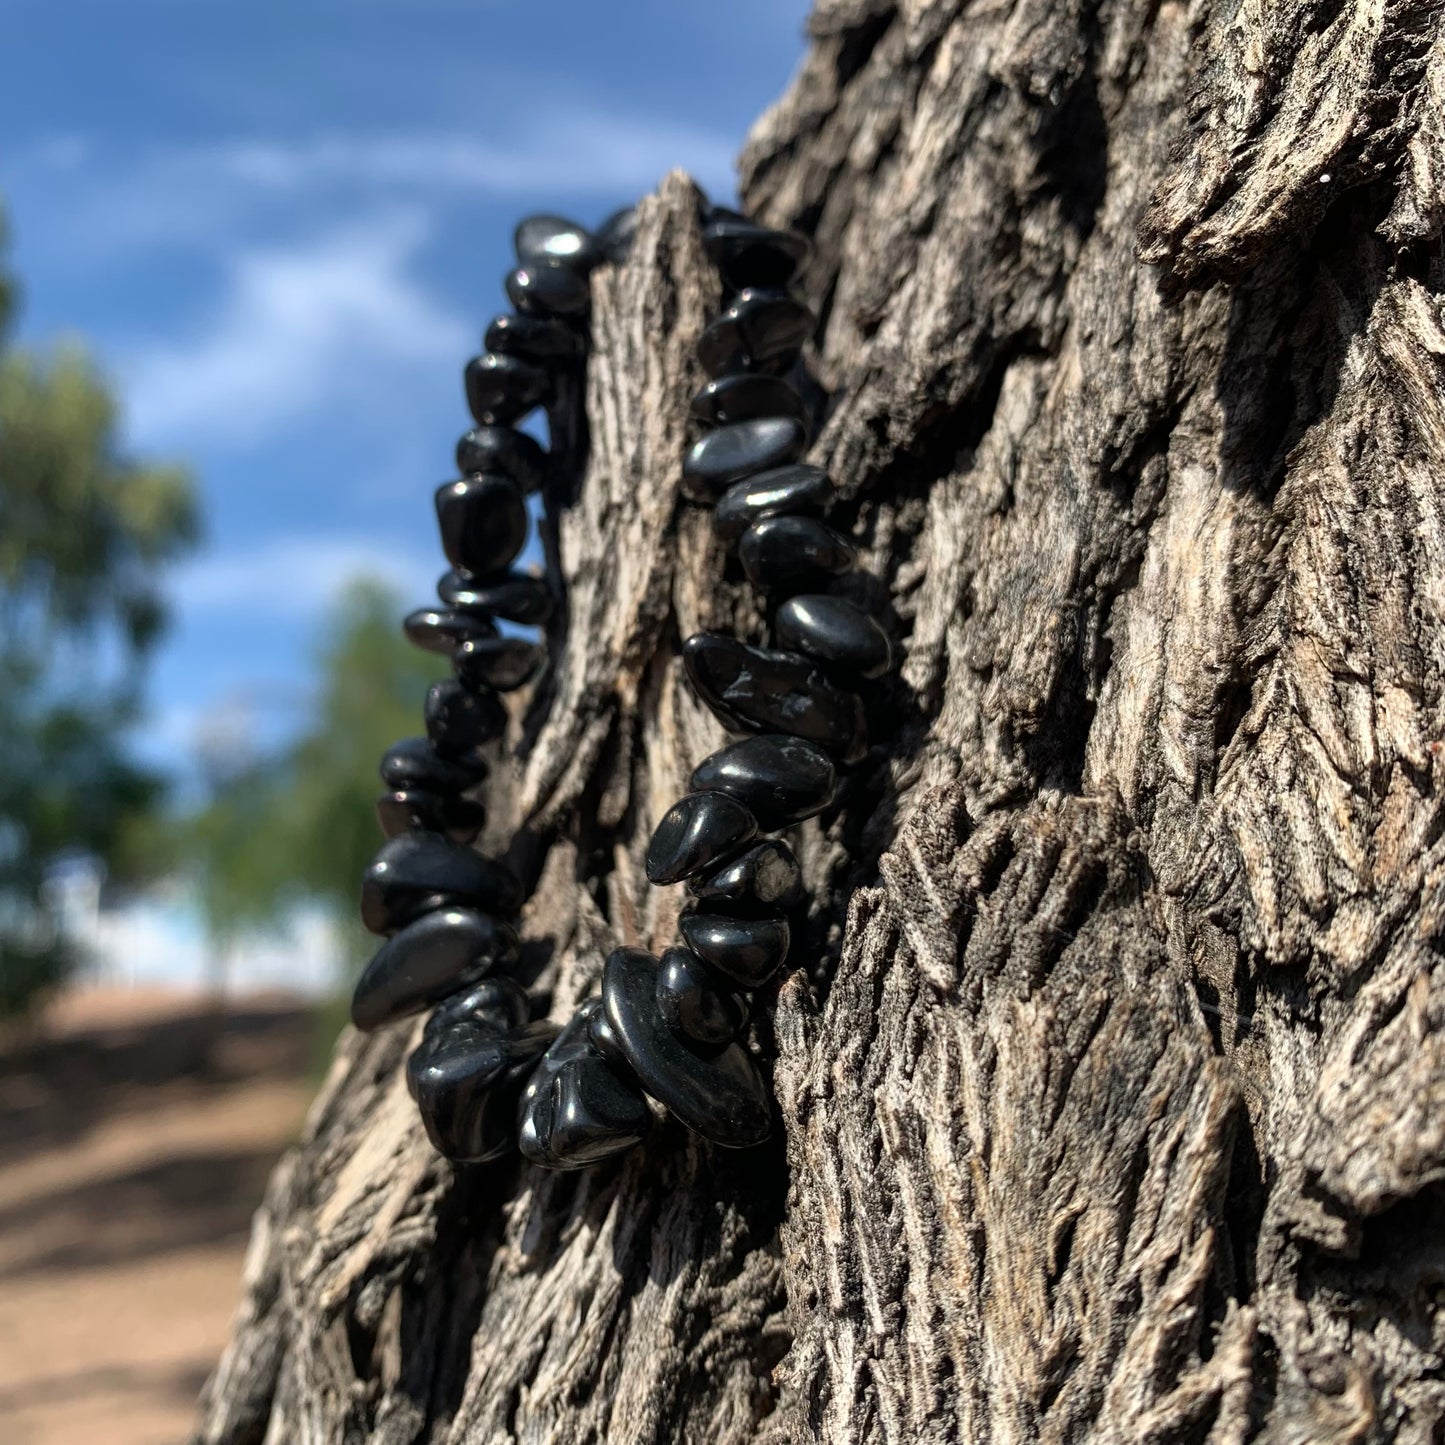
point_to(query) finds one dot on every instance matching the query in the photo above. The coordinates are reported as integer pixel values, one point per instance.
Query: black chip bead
(791, 491)
(466, 1083)
(483, 522)
(498, 1004)
(517, 596)
(444, 629)
(503, 389)
(460, 723)
(748, 950)
(783, 554)
(751, 255)
(766, 876)
(761, 330)
(758, 691)
(535, 338)
(745, 397)
(733, 452)
(408, 870)
(403, 809)
(721, 1096)
(603, 1039)
(555, 238)
(427, 960)
(547, 288)
(501, 663)
(576, 1109)
(614, 235)
(695, 832)
(505, 450)
(415, 763)
(835, 631)
(695, 1003)
(781, 779)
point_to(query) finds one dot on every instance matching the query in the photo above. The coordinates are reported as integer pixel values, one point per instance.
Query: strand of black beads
(445, 910)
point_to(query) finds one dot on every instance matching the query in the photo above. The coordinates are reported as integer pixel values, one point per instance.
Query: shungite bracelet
(672, 1030)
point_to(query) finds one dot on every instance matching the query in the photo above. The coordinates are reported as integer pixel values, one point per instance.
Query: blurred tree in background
(84, 533)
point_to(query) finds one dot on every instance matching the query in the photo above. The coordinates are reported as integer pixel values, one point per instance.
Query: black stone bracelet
(672, 1029)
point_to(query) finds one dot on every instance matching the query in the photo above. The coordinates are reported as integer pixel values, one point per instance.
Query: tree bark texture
(1111, 1075)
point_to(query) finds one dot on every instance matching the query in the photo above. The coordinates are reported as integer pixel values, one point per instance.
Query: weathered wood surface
(1112, 1091)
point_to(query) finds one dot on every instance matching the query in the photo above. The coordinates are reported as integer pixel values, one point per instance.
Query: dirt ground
(136, 1134)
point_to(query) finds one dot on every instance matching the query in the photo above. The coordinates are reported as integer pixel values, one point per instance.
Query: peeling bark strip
(1112, 1079)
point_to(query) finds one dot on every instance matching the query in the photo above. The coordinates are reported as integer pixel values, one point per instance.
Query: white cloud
(297, 327)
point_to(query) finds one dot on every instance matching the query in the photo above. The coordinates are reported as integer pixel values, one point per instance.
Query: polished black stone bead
(731, 453)
(781, 779)
(503, 389)
(435, 956)
(504, 450)
(745, 397)
(415, 763)
(444, 629)
(496, 1004)
(760, 331)
(782, 554)
(501, 663)
(408, 870)
(696, 831)
(459, 722)
(835, 631)
(603, 1039)
(577, 1109)
(748, 950)
(766, 876)
(535, 338)
(467, 1081)
(614, 235)
(546, 288)
(483, 522)
(555, 238)
(792, 491)
(517, 596)
(721, 1096)
(403, 809)
(751, 255)
(758, 691)
(695, 1003)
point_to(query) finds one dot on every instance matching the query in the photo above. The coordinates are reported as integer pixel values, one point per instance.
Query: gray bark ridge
(1111, 1081)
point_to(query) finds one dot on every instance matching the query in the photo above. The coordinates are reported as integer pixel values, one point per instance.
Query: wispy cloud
(296, 326)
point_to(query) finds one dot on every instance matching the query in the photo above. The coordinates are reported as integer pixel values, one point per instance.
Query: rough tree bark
(1112, 1083)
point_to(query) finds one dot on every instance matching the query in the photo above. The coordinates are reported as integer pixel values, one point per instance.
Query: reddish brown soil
(136, 1134)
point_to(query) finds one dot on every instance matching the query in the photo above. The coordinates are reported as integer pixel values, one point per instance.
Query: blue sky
(281, 225)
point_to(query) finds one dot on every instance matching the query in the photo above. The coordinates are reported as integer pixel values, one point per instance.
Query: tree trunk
(1112, 1078)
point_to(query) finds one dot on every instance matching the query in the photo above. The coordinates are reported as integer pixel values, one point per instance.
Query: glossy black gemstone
(760, 331)
(502, 663)
(403, 809)
(547, 288)
(415, 763)
(733, 452)
(696, 831)
(483, 522)
(695, 1003)
(758, 691)
(517, 596)
(721, 1096)
(792, 491)
(782, 554)
(495, 1004)
(505, 450)
(751, 255)
(781, 779)
(745, 397)
(555, 238)
(427, 960)
(748, 950)
(460, 723)
(602, 1038)
(835, 631)
(766, 876)
(614, 235)
(535, 338)
(503, 389)
(408, 870)
(444, 629)
(577, 1109)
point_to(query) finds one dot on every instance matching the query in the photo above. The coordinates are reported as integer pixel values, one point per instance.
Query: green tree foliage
(84, 532)
(300, 827)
